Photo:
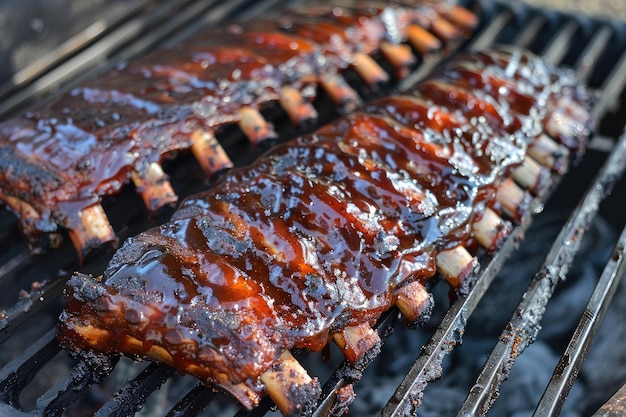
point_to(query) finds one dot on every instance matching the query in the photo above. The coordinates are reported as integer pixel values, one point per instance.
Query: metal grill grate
(594, 47)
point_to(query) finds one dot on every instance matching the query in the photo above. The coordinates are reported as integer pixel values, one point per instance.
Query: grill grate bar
(611, 89)
(523, 327)
(196, 400)
(567, 369)
(556, 49)
(12, 259)
(265, 405)
(592, 52)
(491, 31)
(54, 401)
(132, 395)
(28, 306)
(526, 36)
(19, 372)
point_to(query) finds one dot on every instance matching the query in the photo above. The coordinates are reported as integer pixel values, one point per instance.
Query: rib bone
(513, 199)
(462, 16)
(399, 56)
(209, 153)
(490, 230)
(154, 187)
(355, 341)
(422, 40)
(254, 125)
(414, 302)
(290, 386)
(456, 266)
(340, 92)
(369, 69)
(297, 107)
(531, 175)
(91, 230)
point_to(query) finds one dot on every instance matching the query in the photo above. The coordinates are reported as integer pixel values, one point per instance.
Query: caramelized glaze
(87, 142)
(317, 235)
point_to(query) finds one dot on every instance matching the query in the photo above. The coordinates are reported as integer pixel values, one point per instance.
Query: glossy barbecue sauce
(314, 236)
(95, 135)
(447, 123)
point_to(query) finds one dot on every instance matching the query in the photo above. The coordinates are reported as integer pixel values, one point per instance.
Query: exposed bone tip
(154, 187)
(513, 200)
(290, 387)
(400, 56)
(254, 125)
(209, 153)
(531, 176)
(490, 230)
(463, 17)
(414, 302)
(355, 341)
(444, 29)
(369, 69)
(91, 231)
(422, 40)
(344, 96)
(299, 110)
(457, 266)
(549, 153)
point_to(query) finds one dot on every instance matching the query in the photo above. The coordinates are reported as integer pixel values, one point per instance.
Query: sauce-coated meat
(321, 235)
(59, 160)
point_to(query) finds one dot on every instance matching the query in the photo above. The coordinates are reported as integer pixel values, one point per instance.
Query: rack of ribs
(58, 162)
(317, 238)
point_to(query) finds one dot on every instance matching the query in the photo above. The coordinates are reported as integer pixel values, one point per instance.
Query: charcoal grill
(594, 47)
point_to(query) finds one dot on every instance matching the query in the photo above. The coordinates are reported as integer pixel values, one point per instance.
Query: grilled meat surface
(59, 160)
(324, 233)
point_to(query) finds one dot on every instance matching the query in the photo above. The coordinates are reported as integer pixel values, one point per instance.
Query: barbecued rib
(476, 86)
(90, 141)
(309, 244)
